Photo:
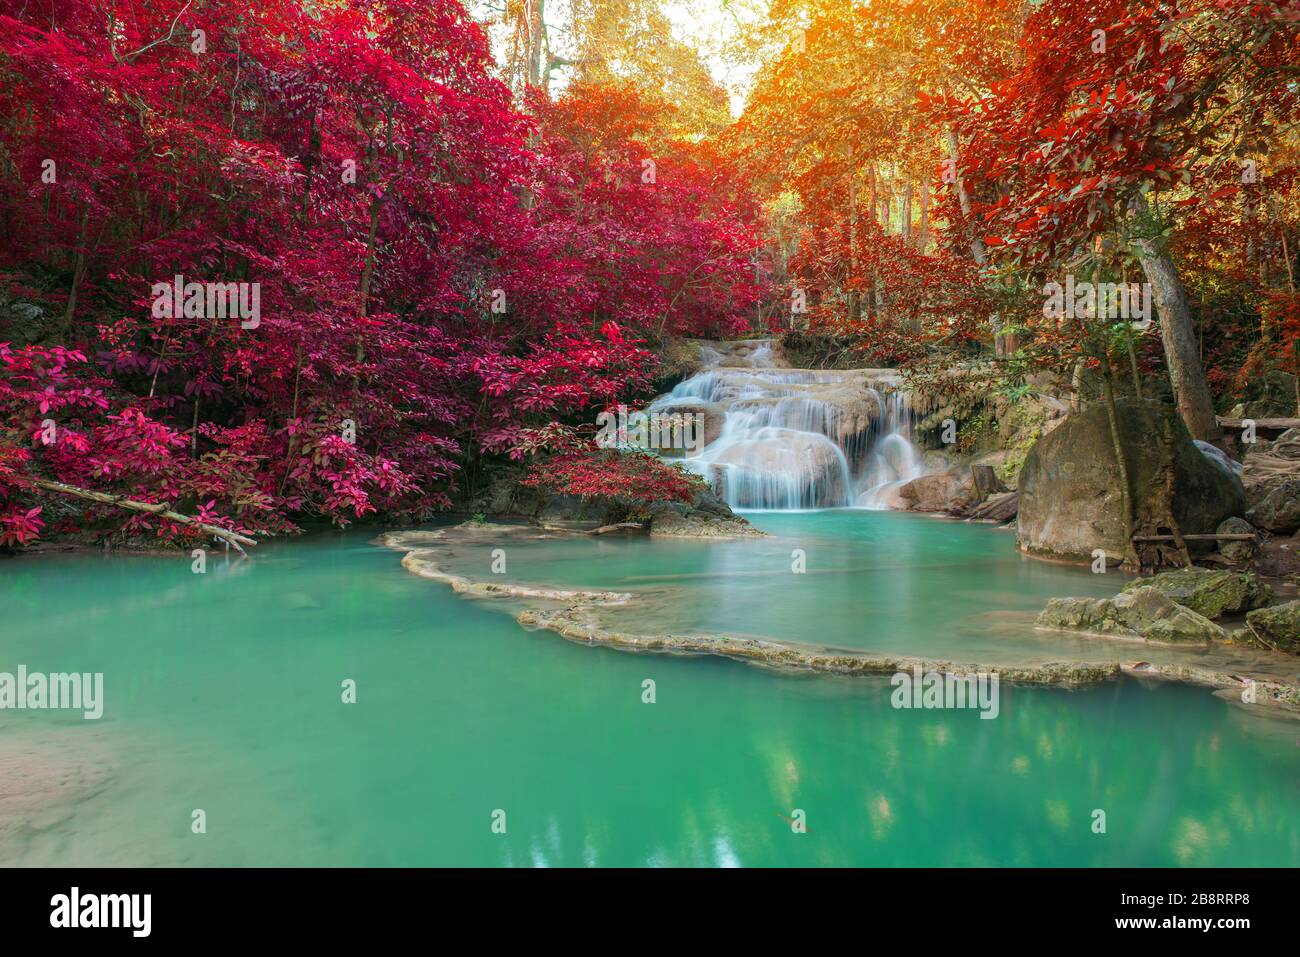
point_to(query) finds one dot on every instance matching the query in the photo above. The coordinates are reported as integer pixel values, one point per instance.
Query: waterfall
(783, 438)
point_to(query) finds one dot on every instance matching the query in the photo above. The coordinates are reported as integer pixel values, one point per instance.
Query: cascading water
(783, 438)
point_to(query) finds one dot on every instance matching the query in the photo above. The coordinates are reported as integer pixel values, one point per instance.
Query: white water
(796, 438)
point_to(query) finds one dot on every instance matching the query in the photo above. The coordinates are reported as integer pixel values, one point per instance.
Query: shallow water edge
(571, 614)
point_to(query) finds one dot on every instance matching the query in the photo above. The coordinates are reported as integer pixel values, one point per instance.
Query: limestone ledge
(421, 562)
(577, 623)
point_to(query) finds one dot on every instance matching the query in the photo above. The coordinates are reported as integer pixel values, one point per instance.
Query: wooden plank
(1282, 424)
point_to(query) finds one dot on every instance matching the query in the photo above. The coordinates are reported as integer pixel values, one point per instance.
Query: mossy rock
(1279, 625)
(1141, 612)
(1208, 592)
(1237, 551)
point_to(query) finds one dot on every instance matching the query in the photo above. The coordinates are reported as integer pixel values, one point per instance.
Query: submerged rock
(1070, 487)
(1142, 612)
(46, 775)
(1278, 625)
(1208, 592)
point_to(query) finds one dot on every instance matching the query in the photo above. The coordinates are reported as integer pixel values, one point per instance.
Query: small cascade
(893, 460)
(783, 438)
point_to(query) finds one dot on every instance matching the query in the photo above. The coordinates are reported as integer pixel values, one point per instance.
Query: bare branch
(171, 31)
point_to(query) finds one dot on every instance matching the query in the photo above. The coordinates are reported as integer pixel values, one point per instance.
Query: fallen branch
(152, 508)
(617, 527)
(1260, 638)
(602, 530)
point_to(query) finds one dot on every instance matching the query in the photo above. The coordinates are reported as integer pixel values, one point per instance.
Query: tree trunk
(309, 159)
(855, 297)
(368, 270)
(1191, 390)
(977, 251)
(367, 275)
(1121, 460)
(907, 214)
(1131, 347)
(923, 233)
(78, 272)
(536, 36)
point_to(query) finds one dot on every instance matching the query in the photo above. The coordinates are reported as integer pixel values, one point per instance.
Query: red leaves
(613, 476)
(647, 228)
(18, 527)
(303, 150)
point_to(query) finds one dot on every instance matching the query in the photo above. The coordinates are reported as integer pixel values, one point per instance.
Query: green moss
(1278, 625)
(1208, 592)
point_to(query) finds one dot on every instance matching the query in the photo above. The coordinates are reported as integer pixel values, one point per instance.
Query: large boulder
(1142, 612)
(1278, 510)
(950, 490)
(1209, 592)
(1070, 487)
(1278, 625)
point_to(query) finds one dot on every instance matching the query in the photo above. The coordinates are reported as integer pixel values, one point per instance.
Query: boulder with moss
(1070, 502)
(1142, 612)
(1278, 625)
(1209, 592)
(1237, 552)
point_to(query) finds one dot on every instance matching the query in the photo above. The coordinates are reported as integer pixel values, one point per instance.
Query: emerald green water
(223, 693)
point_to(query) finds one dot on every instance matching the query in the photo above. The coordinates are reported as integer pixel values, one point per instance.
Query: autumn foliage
(945, 161)
(462, 258)
(446, 274)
